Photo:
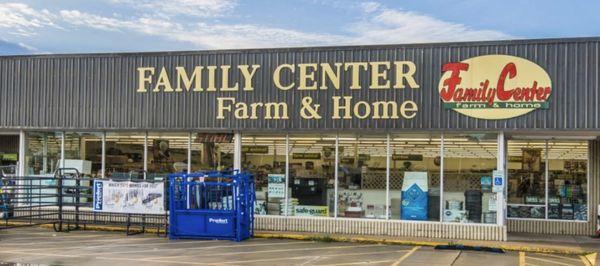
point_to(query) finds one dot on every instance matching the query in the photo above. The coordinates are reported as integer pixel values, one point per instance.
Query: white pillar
(286, 195)
(103, 156)
(387, 177)
(237, 151)
(21, 168)
(189, 153)
(501, 165)
(442, 177)
(335, 174)
(546, 179)
(62, 150)
(145, 154)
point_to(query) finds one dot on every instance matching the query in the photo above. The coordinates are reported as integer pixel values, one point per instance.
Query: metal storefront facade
(99, 92)
(95, 92)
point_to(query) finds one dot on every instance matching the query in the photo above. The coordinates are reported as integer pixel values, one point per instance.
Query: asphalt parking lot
(45, 247)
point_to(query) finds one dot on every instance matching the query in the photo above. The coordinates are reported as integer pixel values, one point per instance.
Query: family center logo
(494, 87)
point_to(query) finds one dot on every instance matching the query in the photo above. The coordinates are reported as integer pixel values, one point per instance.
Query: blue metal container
(211, 205)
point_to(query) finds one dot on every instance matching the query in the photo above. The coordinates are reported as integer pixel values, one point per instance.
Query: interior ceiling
(455, 146)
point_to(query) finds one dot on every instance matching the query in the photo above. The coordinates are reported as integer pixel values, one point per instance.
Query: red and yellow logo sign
(494, 87)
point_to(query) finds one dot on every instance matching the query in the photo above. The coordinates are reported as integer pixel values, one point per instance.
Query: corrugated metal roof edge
(316, 48)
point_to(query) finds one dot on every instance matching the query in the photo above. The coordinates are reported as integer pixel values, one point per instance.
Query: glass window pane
(312, 160)
(83, 151)
(264, 157)
(212, 151)
(43, 152)
(469, 160)
(362, 176)
(415, 177)
(9, 154)
(167, 153)
(526, 179)
(567, 180)
(125, 155)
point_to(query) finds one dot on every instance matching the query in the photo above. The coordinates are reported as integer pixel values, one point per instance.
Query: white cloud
(197, 8)
(384, 25)
(375, 24)
(369, 7)
(20, 19)
(142, 25)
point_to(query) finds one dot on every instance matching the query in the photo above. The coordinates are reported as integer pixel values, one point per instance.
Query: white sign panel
(129, 197)
(276, 187)
(498, 181)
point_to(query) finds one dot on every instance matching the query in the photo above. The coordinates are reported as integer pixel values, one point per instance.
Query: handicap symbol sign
(498, 181)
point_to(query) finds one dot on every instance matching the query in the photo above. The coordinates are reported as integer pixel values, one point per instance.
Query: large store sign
(494, 87)
(486, 87)
(304, 80)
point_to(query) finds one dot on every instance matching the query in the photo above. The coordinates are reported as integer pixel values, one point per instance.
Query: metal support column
(237, 151)
(442, 177)
(189, 153)
(286, 195)
(501, 165)
(22, 149)
(103, 156)
(335, 174)
(387, 177)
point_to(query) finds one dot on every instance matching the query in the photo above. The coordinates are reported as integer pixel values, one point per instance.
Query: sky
(93, 26)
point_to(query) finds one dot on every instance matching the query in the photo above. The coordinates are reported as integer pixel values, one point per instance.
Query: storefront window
(548, 179)
(265, 157)
(312, 168)
(415, 177)
(212, 151)
(567, 180)
(42, 153)
(9, 154)
(83, 151)
(469, 162)
(362, 176)
(125, 155)
(167, 153)
(526, 179)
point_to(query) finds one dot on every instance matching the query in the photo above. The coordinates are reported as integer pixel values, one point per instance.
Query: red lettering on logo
(454, 79)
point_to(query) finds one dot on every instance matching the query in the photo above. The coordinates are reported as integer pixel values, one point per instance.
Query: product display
(473, 205)
(414, 196)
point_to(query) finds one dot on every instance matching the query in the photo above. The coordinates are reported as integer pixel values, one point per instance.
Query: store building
(456, 140)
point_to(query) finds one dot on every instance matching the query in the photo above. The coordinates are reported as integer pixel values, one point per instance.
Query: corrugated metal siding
(566, 227)
(99, 91)
(381, 227)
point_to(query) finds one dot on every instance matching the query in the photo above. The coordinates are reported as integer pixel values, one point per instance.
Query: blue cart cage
(211, 205)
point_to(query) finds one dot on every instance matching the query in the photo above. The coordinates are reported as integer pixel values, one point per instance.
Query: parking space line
(114, 246)
(401, 259)
(558, 257)
(356, 263)
(54, 236)
(269, 251)
(311, 260)
(29, 254)
(200, 248)
(314, 258)
(70, 242)
(521, 258)
(549, 261)
(585, 261)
